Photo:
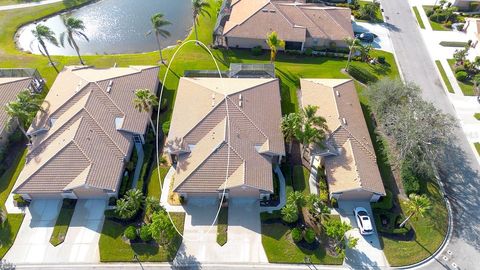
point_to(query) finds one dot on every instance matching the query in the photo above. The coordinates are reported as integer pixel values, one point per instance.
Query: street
(461, 175)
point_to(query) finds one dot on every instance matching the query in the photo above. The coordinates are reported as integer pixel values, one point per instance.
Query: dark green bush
(257, 50)
(297, 235)
(386, 202)
(429, 12)
(164, 105)
(438, 17)
(411, 182)
(309, 235)
(459, 68)
(166, 127)
(361, 74)
(381, 59)
(308, 52)
(461, 76)
(145, 234)
(124, 185)
(130, 233)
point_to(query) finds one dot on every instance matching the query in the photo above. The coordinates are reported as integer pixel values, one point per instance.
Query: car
(366, 37)
(363, 221)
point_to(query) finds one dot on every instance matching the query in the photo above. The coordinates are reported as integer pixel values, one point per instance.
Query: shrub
(385, 202)
(290, 212)
(164, 105)
(19, 200)
(411, 183)
(308, 52)
(429, 12)
(448, 24)
(130, 233)
(145, 234)
(461, 75)
(296, 235)
(361, 74)
(257, 50)
(438, 17)
(324, 196)
(309, 236)
(166, 127)
(459, 68)
(381, 59)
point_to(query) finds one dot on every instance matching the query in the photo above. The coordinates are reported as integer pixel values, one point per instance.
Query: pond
(116, 26)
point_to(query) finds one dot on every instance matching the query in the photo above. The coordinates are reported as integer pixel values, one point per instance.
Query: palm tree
(353, 44)
(311, 134)
(274, 43)
(365, 51)
(199, 8)
(290, 126)
(309, 113)
(158, 22)
(418, 204)
(75, 28)
(144, 101)
(289, 213)
(23, 109)
(135, 197)
(124, 209)
(42, 33)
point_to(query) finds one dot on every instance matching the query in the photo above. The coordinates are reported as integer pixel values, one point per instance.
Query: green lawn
(8, 232)
(63, 222)
(477, 147)
(444, 76)
(435, 26)
(114, 249)
(419, 19)
(12, 2)
(222, 226)
(477, 116)
(8, 179)
(300, 179)
(153, 188)
(467, 86)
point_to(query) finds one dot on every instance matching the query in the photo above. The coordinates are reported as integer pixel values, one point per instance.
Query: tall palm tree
(365, 52)
(75, 28)
(309, 113)
(199, 8)
(418, 204)
(290, 126)
(311, 134)
(23, 109)
(353, 45)
(144, 101)
(274, 43)
(42, 33)
(158, 22)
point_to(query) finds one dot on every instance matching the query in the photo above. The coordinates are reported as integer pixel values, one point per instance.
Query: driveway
(382, 42)
(368, 253)
(81, 242)
(244, 236)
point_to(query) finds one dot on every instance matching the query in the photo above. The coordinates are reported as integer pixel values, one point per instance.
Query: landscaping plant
(309, 235)
(297, 235)
(130, 233)
(336, 229)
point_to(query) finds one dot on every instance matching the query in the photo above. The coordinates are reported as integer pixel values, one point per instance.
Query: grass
(114, 249)
(419, 19)
(8, 232)
(378, 13)
(435, 26)
(459, 44)
(153, 187)
(300, 179)
(444, 76)
(466, 86)
(8, 179)
(477, 116)
(477, 147)
(222, 226)
(62, 223)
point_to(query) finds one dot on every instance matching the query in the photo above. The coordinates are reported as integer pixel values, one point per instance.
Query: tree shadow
(185, 261)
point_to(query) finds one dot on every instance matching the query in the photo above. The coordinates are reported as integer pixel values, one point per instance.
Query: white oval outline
(228, 134)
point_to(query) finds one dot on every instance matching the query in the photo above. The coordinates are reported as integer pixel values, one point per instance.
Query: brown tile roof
(353, 163)
(85, 132)
(210, 147)
(293, 21)
(9, 89)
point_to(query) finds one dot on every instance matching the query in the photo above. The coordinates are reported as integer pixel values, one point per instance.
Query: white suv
(363, 220)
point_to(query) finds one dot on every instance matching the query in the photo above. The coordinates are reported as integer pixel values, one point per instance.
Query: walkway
(139, 165)
(283, 194)
(312, 181)
(165, 190)
(26, 5)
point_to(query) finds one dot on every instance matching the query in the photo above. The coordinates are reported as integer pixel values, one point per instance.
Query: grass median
(419, 18)
(444, 76)
(63, 221)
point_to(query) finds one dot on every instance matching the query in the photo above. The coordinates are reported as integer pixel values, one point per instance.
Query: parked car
(366, 37)
(363, 220)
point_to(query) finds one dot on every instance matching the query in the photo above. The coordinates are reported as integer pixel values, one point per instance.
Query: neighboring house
(348, 156)
(466, 5)
(472, 29)
(225, 133)
(12, 82)
(246, 24)
(85, 133)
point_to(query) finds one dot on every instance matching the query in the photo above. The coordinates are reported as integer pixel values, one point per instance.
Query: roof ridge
(111, 100)
(248, 118)
(282, 13)
(361, 143)
(335, 21)
(68, 100)
(198, 123)
(306, 16)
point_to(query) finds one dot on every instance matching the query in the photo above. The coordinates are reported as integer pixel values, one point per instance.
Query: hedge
(361, 74)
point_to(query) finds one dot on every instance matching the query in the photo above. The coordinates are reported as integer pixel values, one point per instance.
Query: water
(116, 26)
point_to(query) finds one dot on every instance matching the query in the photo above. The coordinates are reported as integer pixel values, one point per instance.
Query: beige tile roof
(76, 140)
(9, 89)
(293, 21)
(355, 164)
(213, 148)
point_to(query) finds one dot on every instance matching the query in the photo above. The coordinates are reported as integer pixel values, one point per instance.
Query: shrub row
(361, 74)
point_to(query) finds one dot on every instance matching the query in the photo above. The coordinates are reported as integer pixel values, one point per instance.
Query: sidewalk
(26, 5)
(165, 190)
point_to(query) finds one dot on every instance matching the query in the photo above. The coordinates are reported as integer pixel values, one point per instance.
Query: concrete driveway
(244, 237)
(368, 253)
(81, 242)
(382, 42)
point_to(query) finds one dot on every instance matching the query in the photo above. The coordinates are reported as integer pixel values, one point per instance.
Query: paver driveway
(81, 243)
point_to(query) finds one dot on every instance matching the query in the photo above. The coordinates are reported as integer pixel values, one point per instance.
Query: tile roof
(9, 89)
(352, 164)
(225, 128)
(293, 21)
(76, 140)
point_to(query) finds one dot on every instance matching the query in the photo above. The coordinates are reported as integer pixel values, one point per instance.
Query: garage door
(356, 195)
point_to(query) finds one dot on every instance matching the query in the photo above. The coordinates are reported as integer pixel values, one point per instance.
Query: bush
(164, 105)
(130, 233)
(257, 50)
(361, 74)
(290, 212)
(429, 12)
(438, 17)
(21, 202)
(461, 76)
(145, 234)
(411, 183)
(309, 236)
(308, 52)
(166, 127)
(296, 235)
(381, 59)
(448, 24)
(460, 68)
(385, 202)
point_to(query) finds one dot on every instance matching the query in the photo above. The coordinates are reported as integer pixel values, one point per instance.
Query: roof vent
(79, 85)
(344, 121)
(109, 87)
(240, 103)
(338, 93)
(240, 96)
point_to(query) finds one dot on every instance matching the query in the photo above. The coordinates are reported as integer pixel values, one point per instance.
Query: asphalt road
(461, 177)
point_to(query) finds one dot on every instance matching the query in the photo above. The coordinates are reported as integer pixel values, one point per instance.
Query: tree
(161, 228)
(336, 230)
(290, 213)
(417, 205)
(144, 101)
(199, 8)
(353, 45)
(274, 43)
(130, 204)
(23, 109)
(290, 126)
(75, 28)
(368, 11)
(310, 117)
(311, 135)
(152, 205)
(315, 206)
(42, 33)
(460, 55)
(365, 52)
(158, 23)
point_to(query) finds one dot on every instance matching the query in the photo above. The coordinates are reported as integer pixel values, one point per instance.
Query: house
(466, 5)
(12, 82)
(84, 135)
(246, 24)
(225, 134)
(348, 156)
